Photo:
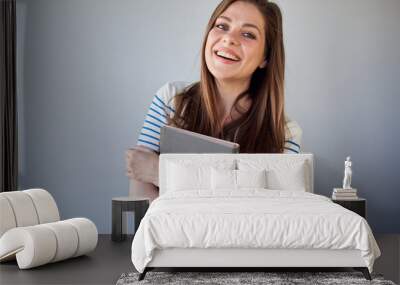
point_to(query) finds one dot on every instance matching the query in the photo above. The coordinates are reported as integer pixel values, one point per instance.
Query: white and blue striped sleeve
(293, 136)
(160, 109)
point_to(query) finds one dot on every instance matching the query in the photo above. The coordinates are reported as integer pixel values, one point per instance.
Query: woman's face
(238, 33)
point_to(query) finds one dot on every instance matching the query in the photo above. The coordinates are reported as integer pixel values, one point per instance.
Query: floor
(111, 259)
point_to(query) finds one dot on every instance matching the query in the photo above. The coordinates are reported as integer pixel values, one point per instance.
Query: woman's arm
(142, 169)
(142, 164)
(142, 160)
(142, 189)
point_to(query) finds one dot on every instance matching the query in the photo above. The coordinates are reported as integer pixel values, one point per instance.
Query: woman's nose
(230, 38)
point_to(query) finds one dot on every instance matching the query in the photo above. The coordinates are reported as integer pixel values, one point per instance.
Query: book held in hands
(176, 140)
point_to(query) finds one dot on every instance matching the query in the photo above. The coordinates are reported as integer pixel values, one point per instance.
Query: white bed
(198, 223)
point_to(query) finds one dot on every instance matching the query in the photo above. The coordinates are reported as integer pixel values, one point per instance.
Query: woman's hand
(142, 164)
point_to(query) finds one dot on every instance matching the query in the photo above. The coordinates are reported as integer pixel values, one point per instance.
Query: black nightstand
(358, 206)
(120, 205)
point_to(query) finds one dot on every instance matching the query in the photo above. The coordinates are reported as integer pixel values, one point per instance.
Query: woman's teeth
(227, 55)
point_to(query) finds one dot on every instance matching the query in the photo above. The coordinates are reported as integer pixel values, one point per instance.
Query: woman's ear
(264, 64)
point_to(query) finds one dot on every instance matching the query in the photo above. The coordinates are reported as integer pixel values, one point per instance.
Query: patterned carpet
(243, 278)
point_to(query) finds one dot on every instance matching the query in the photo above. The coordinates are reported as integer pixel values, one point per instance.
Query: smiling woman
(240, 95)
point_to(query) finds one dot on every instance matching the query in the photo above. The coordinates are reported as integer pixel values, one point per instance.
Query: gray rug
(230, 278)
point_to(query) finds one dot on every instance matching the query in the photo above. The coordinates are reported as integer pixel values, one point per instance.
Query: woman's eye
(249, 35)
(220, 26)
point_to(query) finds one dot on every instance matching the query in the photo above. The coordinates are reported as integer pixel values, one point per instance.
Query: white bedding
(250, 218)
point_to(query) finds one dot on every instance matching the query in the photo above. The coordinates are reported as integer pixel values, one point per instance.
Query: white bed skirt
(196, 257)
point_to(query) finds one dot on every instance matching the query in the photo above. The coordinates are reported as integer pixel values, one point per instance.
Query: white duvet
(251, 218)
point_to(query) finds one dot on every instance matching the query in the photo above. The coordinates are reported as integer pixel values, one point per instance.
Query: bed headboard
(215, 158)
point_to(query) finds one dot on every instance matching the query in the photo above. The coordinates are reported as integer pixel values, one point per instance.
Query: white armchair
(31, 231)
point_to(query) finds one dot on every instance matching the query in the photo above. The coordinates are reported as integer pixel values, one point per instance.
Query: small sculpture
(347, 174)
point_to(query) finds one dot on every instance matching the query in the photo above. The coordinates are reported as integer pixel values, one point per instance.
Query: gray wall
(88, 70)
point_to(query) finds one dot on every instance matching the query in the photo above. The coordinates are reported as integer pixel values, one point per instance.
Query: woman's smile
(226, 56)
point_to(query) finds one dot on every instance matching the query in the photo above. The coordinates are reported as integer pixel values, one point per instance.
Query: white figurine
(347, 174)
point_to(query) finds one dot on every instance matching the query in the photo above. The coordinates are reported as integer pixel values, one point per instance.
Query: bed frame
(240, 259)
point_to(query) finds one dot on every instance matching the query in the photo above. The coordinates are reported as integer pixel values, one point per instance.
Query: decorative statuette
(347, 174)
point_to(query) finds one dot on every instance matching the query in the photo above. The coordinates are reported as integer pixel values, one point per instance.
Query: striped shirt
(163, 105)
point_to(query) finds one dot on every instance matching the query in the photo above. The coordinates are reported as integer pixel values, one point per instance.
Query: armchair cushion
(32, 233)
(40, 244)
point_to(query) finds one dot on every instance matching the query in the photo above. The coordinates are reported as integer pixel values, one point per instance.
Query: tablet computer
(176, 140)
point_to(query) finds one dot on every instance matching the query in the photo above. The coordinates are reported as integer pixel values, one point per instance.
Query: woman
(240, 95)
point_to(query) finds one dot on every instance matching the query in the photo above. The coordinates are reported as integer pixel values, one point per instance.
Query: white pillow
(283, 174)
(187, 175)
(223, 179)
(181, 177)
(237, 179)
(251, 178)
(293, 178)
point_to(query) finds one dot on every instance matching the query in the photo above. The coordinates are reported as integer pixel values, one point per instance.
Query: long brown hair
(260, 129)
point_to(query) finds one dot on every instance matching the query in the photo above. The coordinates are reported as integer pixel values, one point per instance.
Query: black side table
(126, 204)
(358, 206)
